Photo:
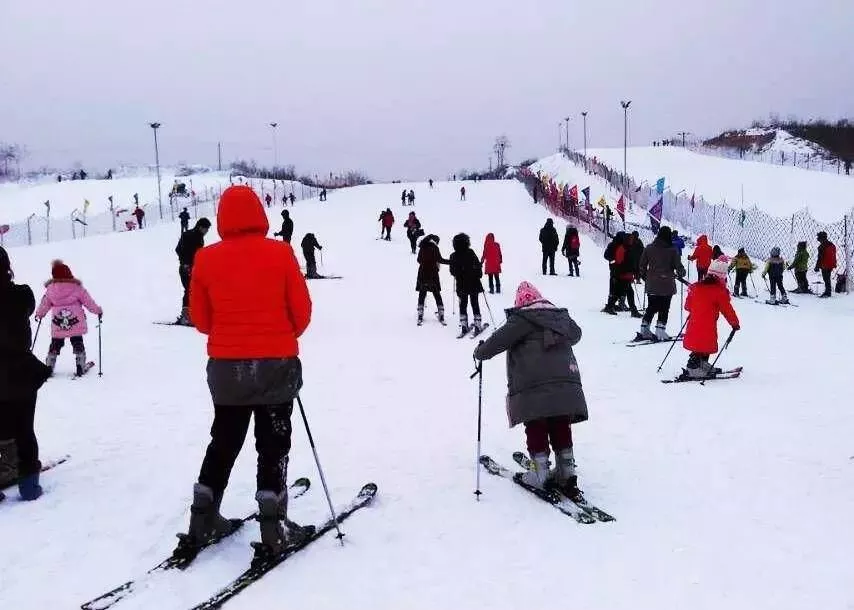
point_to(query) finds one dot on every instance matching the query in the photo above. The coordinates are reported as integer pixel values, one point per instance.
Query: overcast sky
(404, 88)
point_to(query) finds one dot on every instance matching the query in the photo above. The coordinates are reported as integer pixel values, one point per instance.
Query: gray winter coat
(660, 264)
(542, 374)
(264, 382)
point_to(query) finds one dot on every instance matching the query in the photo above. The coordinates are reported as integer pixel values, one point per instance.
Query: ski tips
(368, 490)
(301, 482)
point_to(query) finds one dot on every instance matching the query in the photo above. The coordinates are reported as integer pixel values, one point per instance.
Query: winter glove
(816, 268)
(736, 328)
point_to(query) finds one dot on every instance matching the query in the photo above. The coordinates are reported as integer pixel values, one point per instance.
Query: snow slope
(777, 190)
(737, 495)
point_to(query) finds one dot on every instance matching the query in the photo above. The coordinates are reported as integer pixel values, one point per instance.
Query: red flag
(573, 193)
(4, 229)
(692, 201)
(621, 208)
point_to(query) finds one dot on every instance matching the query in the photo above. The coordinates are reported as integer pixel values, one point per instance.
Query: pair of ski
(730, 374)
(473, 332)
(789, 303)
(576, 507)
(639, 340)
(184, 554)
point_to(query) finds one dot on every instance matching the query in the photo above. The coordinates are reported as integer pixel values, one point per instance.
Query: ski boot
(708, 368)
(661, 332)
(464, 325)
(636, 314)
(441, 315)
(29, 487)
(8, 463)
(272, 519)
(80, 362)
(565, 478)
(206, 524)
(50, 361)
(645, 333)
(772, 300)
(184, 318)
(695, 369)
(784, 299)
(420, 315)
(539, 474)
(478, 325)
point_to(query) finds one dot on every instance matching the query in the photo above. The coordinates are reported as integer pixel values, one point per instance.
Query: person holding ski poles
(659, 266)
(543, 383)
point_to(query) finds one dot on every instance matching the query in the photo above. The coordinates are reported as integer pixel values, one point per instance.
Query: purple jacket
(66, 299)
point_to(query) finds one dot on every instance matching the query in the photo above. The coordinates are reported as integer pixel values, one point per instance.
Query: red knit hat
(60, 271)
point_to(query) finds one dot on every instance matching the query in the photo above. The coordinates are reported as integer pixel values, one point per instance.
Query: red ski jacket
(705, 303)
(491, 258)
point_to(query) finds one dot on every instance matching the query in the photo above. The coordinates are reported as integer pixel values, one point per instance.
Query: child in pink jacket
(65, 298)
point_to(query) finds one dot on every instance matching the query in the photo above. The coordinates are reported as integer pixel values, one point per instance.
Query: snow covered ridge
(751, 228)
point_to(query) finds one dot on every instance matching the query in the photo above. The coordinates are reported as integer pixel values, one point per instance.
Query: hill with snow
(736, 495)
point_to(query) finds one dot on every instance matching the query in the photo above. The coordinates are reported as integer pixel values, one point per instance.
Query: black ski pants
(803, 283)
(622, 288)
(494, 282)
(825, 275)
(184, 272)
(573, 266)
(549, 257)
(18, 423)
(272, 442)
(658, 304)
(77, 345)
(775, 283)
(387, 233)
(740, 287)
(412, 241)
(422, 296)
(475, 304)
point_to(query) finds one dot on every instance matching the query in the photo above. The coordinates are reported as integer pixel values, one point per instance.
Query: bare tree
(502, 143)
(10, 153)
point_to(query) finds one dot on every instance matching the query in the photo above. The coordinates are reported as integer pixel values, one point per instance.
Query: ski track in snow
(737, 495)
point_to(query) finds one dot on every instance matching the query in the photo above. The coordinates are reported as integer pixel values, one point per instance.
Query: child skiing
(66, 299)
(774, 269)
(702, 256)
(571, 249)
(544, 384)
(801, 265)
(429, 259)
(706, 301)
(492, 260)
(308, 245)
(743, 267)
(466, 269)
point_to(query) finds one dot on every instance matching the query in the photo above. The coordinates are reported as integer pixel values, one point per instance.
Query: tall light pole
(567, 133)
(584, 114)
(559, 136)
(275, 146)
(625, 105)
(155, 127)
(683, 134)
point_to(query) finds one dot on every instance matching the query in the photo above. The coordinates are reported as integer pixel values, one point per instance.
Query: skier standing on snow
(21, 376)
(774, 269)
(706, 301)
(184, 217)
(462, 193)
(571, 249)
(287, 231)
(678, 242)
(253, 322)
(292, 199)
(191, 242)
(411, 197)
(139, 213)
(413, 230)
(466, 269)
(743, 267)
(429, 259)
(403, 198)
(636, 249)
(826, 262)
(550, 241)
(308, 245)
(801, 265)
(65, 298)
(492, 260)
(659, 267)
(622, 276)
(702, 256)
(543, 382)
(387, 221)
(269, 199)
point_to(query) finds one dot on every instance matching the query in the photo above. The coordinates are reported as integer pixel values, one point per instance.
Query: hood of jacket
(703, 241)
(554, 321)
(490, 239)
(241, 213)
(63, 292)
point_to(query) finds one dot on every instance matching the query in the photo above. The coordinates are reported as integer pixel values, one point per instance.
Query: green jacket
(801, 262)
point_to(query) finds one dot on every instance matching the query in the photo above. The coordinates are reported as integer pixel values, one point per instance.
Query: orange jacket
(247, 292)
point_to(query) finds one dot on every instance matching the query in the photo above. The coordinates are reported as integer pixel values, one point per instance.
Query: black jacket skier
(287, 231)
(466, 269)
(308, 245)
(550, 241)
(191, 242)
(184, 217)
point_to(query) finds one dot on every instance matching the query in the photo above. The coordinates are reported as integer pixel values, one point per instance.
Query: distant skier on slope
(309, 245)
(65, 298)
(287, 231)
(190, 243)
(462, 193)
(659, 266)
(403, 197)
(21, 376)
(706, 301)
(775, 268)
(544, 383)
(253, 369)
(622, 275)
(571, 249)
(550, 241)
(801, 265)
(702, 256)
(410, 198)
(466, 269)
(429, 259)
(413, 230)
(826, 261)
(743, 267)
(492, 259)
(387, 222)
(184, 217)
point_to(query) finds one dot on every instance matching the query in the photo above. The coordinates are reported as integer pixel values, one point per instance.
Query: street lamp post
(155, 127)
(625, 105)
(567, 133)
(584, 114)
(559, 136)
(275, 146)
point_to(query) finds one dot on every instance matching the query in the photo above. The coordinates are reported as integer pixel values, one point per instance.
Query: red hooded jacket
(705, 303)
(247, 292)
(387, 219)
(491, 258)
(702, 253)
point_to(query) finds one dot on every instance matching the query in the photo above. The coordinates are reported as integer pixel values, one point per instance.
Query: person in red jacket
(702, 256)
(826, 261)
(248, 296)
(387, 220)
(492, 260)
(706, 301)
(622, 277)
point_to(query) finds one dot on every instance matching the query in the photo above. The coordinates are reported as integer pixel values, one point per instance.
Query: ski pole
(100, 359)
(726, 345)
(454, 299)
(752, 281)
(673, 344)
(681, 305)
(489, 310)
(478, 372)
(340, 535)
(36, 335)
(321, 260)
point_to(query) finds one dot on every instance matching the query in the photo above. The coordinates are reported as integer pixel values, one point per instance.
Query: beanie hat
(203, 223)
(775, 251)
(60, 271)
(526, 294)
(719, 269)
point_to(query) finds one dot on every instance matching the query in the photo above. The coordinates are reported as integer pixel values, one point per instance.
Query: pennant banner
(621, 208)
(659, 186)
(655, 215)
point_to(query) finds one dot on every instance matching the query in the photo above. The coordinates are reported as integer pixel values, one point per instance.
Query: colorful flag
(659, 186)
(586, 192)
(573, 193)
(742, 218)
(692, 200)
(621, 208)
(4, 229)
(655, 215)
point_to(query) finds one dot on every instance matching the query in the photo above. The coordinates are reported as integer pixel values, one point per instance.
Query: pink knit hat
(526, 294)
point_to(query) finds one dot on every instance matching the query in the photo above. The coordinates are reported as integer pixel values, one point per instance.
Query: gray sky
(404, 88)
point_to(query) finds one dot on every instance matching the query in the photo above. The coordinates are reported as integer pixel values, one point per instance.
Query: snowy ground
(737, 495)
(775, 189)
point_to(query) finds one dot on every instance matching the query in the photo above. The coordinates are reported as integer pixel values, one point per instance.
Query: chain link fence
(41, 229)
